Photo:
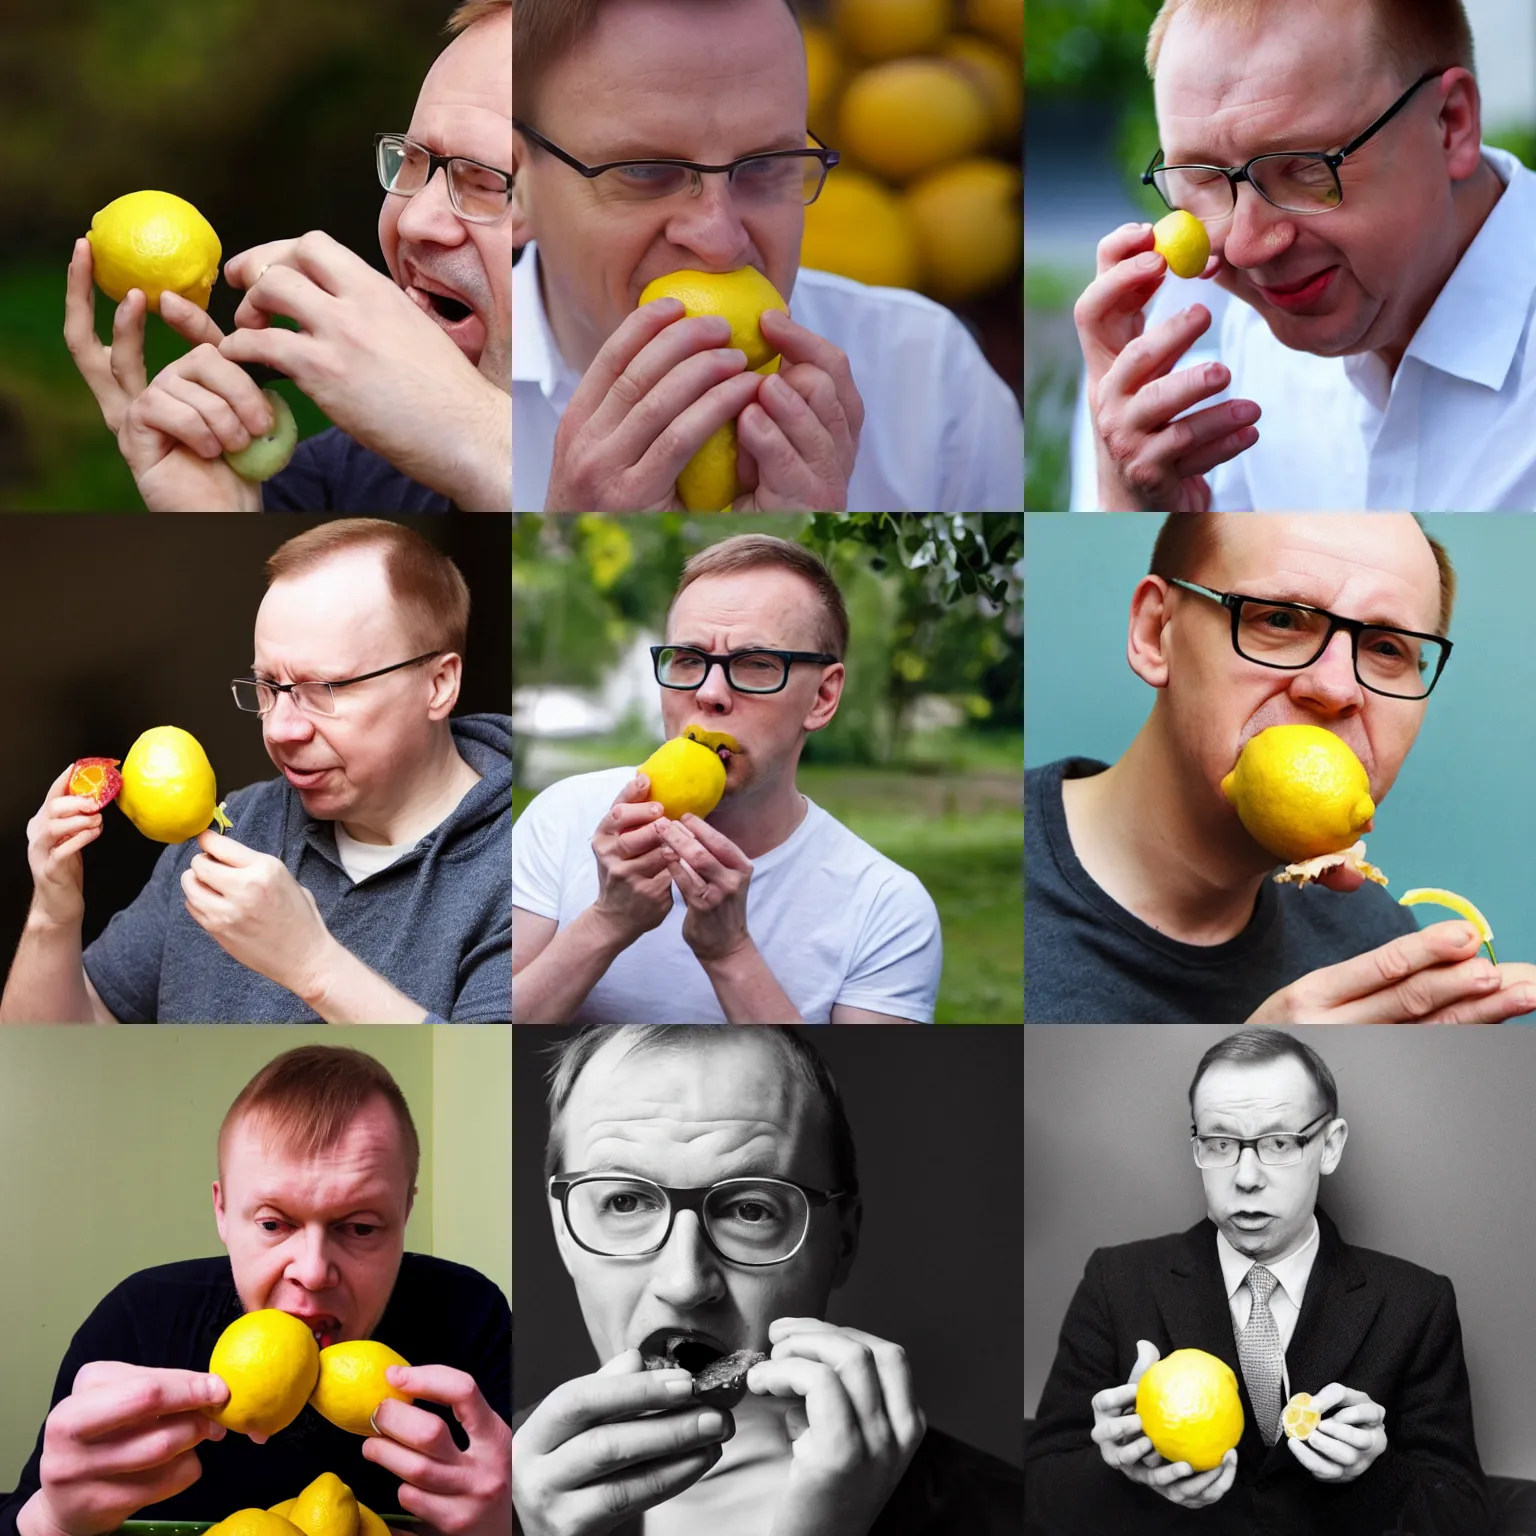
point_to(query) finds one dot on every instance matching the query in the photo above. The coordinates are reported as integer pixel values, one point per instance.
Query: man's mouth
(325, 1326)
(1298, 295)
(1251, 1221)
(450, 310)
(302, 779)
(690, 1348)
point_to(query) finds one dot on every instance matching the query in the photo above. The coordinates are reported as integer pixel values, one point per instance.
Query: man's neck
(577, 348)
(758, 823)
(435, 788)
(1146, 833)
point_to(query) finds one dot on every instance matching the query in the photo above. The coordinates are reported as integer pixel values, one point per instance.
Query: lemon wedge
(1300, 1418)
(1435, 896)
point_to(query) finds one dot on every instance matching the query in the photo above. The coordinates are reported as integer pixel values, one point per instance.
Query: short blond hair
(471, 11)
(1417, 35)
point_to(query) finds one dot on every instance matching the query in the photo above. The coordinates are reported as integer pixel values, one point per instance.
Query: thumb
(187, 320)
(1146, 1357)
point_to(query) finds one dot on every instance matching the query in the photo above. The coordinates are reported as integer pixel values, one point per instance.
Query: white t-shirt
(942, 432)
(836, 921)
(363, 859)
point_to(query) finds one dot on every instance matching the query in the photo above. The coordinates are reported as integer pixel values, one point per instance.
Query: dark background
(935, 1113)
(109, 626)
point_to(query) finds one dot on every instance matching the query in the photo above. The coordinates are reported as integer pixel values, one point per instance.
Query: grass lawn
(962, 835)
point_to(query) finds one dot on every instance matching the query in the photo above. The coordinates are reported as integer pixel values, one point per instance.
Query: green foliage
(1087, 47)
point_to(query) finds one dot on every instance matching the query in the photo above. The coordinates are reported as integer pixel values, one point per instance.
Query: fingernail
(1150, 262)
(683, 1387)
(711, 1424)
(1215, 373)
(734, 355)
(1466, 936)
(1245, 413)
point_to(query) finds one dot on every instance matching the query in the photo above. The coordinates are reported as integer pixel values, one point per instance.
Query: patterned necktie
(1260, 1354)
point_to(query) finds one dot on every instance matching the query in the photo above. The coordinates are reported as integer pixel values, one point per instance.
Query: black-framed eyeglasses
(479, 193)
(1277, 1149)
(777, 176)
(684, 667)
(258, 696)
(1397, 663)
(1295, 182)
(753, 1221)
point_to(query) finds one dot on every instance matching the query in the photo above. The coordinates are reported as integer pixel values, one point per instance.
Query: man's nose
(715, 692)
(1250, 1171)
(310, 1262)
(1330, 681)
(1257, 232)
(428, 216)
(285, 721)
(709, 224)
(686, 1273)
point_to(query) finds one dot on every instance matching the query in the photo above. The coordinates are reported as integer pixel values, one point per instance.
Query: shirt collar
(1291, 1272)
(536, 355)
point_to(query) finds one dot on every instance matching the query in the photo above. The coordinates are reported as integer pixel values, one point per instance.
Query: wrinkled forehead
(1257, 1096)
(762, 606)
(465, 105)
(260, 1158)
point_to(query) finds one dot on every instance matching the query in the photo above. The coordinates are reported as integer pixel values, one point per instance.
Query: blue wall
(1461, 814)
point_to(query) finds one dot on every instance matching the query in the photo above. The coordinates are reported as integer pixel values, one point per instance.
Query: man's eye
(270, 1224)
(362, 1228)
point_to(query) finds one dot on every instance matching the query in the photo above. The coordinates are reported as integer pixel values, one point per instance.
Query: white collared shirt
(942, 432)
(1291, 1274)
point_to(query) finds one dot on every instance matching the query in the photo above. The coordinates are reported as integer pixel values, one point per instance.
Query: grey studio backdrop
(1458, 816)
(1436, 1171)
(110, 625)
(935, 1117)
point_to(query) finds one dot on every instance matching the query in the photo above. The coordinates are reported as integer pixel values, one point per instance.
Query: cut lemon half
(1434, 896)
(1299, 1418)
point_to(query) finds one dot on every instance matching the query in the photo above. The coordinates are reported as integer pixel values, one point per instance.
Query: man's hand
(63, 825)
(583, 1462)
(458, 1493)
(800, 439)
(852, 1432)
(1433, 976)
(256, 911)
(1121, 1442)
(1148, 461)
(713, 875)
(365, 354)
(1344, 1445)
(634, 881)
(124, 1438)
(660, 386)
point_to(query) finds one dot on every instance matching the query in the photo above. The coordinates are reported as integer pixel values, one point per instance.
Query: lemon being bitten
(269, 1361)
(687, 773)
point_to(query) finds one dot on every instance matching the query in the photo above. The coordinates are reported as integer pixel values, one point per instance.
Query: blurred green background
(259, 112)
(925, 757)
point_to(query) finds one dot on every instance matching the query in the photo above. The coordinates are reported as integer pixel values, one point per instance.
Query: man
(1380, 254)
(882, 402)
(413, 368)
(653, 1134)
(1148, 901)
(318, 1159)
(1266, 1284)
(765, 911)
(368, 884)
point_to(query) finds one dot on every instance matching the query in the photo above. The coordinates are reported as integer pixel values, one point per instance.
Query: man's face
(1372, 567)
(656, 79)
(764, 608)
(320, 1238)
(1310, 78)
(723, 1105)
(336, 621)
(1261, 1210)
(463, 109)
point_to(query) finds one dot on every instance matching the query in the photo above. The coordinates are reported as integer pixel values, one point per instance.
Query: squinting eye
(269, 1225)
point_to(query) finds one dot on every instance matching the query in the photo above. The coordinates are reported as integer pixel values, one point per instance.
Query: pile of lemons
(328, 1507)
(923, 98)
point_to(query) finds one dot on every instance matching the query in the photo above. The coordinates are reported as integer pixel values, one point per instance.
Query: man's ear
(850, 1218)
(218, 1211)
(1333, 1145)
(1461, 126)
(1145, 640)
(522, 222)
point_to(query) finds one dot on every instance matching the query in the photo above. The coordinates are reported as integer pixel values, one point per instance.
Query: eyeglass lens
(752, 1221)
(1402, 665)
(1298, 183)
(1277, 1151)
(769, 180)
(261, 698)
(750, 672)
(477, 192)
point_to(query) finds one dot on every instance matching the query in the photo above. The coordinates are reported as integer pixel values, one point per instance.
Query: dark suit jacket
(1367, 1320)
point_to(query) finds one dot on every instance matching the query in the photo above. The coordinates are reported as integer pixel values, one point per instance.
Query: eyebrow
(637, 149)
(1291, 595)
(756, 645)
(753, 1168)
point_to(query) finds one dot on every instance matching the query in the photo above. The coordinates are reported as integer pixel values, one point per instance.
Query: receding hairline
(261, 1121)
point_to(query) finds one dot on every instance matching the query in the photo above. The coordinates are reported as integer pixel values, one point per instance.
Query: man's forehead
(368, 1160)
(343, 607)
(1237, 1090)
(774, 602)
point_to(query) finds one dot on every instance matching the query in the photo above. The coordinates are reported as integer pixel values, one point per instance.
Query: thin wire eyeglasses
(1309, 179)
(479, 193)
(258, 696)
(774, 175)
(1399, 660)
(599, 1227)
(760, 671)
(1275, 1149)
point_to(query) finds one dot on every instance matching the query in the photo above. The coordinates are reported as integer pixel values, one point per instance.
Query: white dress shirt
(1291, 1274)
(942, 432)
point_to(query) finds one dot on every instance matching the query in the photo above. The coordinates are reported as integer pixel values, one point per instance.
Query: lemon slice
(1435, 896)
(1181, 240)
(1299, 1418)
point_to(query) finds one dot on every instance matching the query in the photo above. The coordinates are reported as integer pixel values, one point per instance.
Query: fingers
(91, 358)
(1369, 988)
(454, 1389)
(854, 1363)
(205, 402)
(606, 1449)
(621, 349)
(672, 422)
(1197, 443)
(1113, 1400)
(577, 1405)
(1151, 356)
(1108, 312)
(189, 321)
(127, 356)
(805, 351)
(1146, 1357)
(828, 1406)
(1121, 245)
(144, 1395)
(794, 452)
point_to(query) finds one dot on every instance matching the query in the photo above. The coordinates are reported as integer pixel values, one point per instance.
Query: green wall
(107, 1157)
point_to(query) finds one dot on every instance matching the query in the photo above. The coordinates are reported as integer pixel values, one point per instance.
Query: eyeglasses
(1297, 183)
(750, 1221)
(1279, 1149)
(258, 696)
(479, 193)
(778, 177)
(681, 666)
(1397, 663)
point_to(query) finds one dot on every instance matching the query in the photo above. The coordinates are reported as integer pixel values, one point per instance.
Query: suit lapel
(1336, 1314)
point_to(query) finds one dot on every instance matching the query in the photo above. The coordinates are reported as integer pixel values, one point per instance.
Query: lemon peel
(1306, 870)
(1438, 896)
(1180, 239)
(686, 775)
(156, 242)
(1190, 1409)
(1299, 1418)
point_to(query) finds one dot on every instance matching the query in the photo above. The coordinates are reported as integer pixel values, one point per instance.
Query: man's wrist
(34, 1518)
(735, 964)
(479, 479)
(608, 932)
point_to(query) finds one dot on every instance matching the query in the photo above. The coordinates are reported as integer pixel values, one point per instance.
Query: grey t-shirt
(1087, 960)
(437, 923)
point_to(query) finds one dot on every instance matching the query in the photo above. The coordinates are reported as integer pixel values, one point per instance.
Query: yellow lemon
(1189, 1408)
(285, 1508)
(859, 229)
(970, 229)
(370, 1524)
(686, 773)
(997, 76)
(1001, 20)
(912, 115)
(1300, 791)
(1299, 1418)
(269, 1362)
(327, 1507)
(1181, 240)
(254, 1522)
(154, 241)
(824, 69)
(352, 1384)
(168, 786)
(1439, 897)
(886, 29)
